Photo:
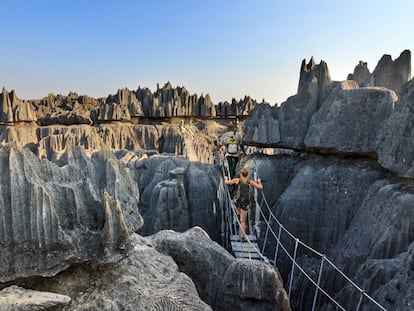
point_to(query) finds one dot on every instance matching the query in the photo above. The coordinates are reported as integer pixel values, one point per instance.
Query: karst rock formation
(81, 175)
(98, 199)
(346, 186)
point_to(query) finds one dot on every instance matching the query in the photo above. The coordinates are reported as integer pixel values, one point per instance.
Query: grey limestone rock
(127, 98)
(12, 109)
(350, 119)
(174, 102)
(144, 280)
(120, 107)
(386, 207)
(394, 143)
(206, 107)
(125, 106)
(114, 112)
(382, 261)
(395, 275)
(6, 112)
(169, 203)
(24, 112)
(236, 108)
(178, 201)
(252, 286)
(354, 212)
(315, 80)
(262, 126)
(296, 112)
(388, 73)
(322, 199)
(344, 118)
(393, 74)
(15, 298)
(66, 110)
(222, 281)
(50, 141)
(65, 118)
(362, 75)
(54, 216)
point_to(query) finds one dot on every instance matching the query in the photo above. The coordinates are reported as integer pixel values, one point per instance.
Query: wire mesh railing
(233, 222)
(289, 251)
(322, 284)
(281, 236)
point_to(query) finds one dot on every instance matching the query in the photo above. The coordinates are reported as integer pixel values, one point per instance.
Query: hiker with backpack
(243, 196)
(233, 142)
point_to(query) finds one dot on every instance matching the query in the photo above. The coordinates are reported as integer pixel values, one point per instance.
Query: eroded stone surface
(53, 216)
(144, 280)
(222, 281)
(15, 298)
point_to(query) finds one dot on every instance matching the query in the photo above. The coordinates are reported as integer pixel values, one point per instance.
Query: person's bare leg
(243, 222)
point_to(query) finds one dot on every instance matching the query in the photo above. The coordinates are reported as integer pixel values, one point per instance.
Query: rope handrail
(298, 266)
(269, 228)
(309, 278)
(271, 215)
(234, 214)
(249, 241)
(233, 209)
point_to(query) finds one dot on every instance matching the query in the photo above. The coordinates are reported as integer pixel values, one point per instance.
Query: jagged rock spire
(314, 78)
(393, 74)
(6, 113)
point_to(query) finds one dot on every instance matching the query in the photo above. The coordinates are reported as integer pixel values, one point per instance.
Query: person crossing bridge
(243, 196)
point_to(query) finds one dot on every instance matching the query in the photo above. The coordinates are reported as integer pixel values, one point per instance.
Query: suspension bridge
(189, 151)
(280, 248)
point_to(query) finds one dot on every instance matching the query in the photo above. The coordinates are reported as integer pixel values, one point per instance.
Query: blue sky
(225, 48)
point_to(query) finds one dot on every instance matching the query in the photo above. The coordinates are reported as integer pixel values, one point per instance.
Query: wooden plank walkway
(246, 250)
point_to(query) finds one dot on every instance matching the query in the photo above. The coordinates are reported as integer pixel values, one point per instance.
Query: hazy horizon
(227, 49)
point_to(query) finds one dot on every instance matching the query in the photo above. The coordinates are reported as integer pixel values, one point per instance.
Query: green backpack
(244, 193)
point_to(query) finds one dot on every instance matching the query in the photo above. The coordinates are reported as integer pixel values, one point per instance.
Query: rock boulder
(144, 280)
(20, 299)
(222, 281)
(350, 119)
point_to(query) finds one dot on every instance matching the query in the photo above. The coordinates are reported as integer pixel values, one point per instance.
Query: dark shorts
(243, 206)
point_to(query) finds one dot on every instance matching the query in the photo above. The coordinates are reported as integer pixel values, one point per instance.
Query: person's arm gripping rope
(257, 184)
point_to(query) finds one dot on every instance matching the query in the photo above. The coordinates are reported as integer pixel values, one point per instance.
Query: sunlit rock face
(13, 109)
(387, 73)
(295, 113)
(143, 280)
(350, 119)
(393, 74)
(222, 281)
(53, 216)
(124, 106)
(344, 118)
(50, 141)
(362, 75)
